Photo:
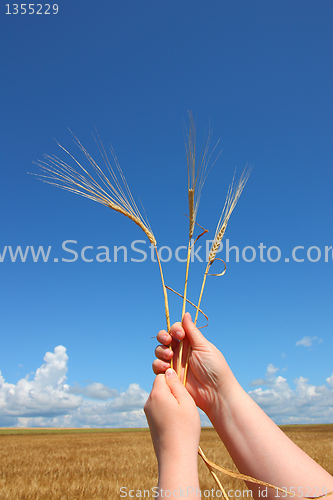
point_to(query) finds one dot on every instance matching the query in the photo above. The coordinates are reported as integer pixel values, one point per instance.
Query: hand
(209, 376)
(173, 420)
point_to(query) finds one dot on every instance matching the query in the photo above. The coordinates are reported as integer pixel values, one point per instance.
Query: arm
(175, 429)
(260, 448)
(257, 446)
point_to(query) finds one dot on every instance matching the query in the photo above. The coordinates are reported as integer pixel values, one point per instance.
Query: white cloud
(307, 341)
(306, 404)
(96, 390)
(329, 381)
(48, 401)
(271, 370)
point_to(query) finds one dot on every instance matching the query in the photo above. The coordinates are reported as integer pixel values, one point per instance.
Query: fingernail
(178, 334)
(170, 373)
(165, 339)
(189, 314)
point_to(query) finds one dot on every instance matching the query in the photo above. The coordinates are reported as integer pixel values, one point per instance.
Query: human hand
(209, 378)
(173, 420)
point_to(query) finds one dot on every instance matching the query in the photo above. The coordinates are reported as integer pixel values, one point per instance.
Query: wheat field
(89, 464)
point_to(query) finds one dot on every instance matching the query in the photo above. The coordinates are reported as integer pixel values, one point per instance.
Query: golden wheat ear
(102, 185)
(233, 196)
(197, 171)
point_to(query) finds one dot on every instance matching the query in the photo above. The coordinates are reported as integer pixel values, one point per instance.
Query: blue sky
(261, 74)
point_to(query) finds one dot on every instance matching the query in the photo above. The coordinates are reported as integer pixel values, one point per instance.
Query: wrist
(183, 466)
(180, 453)
(225, 397)
(181, 478)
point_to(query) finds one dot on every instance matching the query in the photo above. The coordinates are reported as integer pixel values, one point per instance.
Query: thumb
(176, 387)
(194, 335)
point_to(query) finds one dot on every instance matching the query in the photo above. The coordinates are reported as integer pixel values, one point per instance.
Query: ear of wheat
(197, 171)
(232, 198)
(109, 190)
(105, 187)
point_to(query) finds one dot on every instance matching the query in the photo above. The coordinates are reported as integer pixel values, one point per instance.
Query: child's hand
(258, 447)
(209, 377)
(173, 420)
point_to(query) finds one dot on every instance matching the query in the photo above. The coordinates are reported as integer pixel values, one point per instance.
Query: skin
(169, 408)
(258, 447)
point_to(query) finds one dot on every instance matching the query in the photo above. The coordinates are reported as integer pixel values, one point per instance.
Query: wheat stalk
(197, 171)
(196, 175)
(211, 470)
(108, 189)
(232, 198)
(233, 195)
(211, 465)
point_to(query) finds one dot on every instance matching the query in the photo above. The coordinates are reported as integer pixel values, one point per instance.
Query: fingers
(194, 335)
(177, 333)
(175, 385)
(162, 363)
(159, 384)
(164, 353)
(167, 383)
(159, 388)
(160, 366)
(163, 337)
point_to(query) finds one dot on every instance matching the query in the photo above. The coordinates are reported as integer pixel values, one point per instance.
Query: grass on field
(86, 464)
(62, 430)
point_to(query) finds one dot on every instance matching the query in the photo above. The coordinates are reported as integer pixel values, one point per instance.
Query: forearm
(179, 476)
(261, 450)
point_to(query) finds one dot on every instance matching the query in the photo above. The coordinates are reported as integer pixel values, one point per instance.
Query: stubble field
(95, 464)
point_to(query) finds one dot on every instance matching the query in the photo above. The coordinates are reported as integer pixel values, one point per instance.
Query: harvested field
(94, 464)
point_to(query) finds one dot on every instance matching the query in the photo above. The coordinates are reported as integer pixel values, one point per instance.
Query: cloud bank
(305, 404)
(48, 401)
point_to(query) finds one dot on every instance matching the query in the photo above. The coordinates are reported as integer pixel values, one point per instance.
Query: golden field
(89, 464)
